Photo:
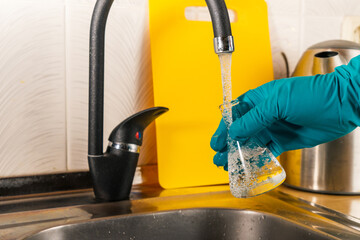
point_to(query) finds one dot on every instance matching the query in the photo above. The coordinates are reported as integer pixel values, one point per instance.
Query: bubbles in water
(258, 174)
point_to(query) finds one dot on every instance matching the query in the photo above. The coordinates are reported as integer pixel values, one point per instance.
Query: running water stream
(253, 170)
(234, 150)
(225, 63)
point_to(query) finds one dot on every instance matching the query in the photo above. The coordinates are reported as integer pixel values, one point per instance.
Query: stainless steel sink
(186, 214)
(187, 224)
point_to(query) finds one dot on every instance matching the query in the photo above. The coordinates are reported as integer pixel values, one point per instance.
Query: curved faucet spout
(223, 40)
(96, 77)
(112, 176)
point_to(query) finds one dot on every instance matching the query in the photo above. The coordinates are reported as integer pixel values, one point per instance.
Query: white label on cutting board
(202, 14)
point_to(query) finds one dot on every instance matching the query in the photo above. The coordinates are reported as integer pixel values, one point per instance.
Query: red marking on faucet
(138, 135)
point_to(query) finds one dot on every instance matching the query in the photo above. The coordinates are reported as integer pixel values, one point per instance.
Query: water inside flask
(253, 169)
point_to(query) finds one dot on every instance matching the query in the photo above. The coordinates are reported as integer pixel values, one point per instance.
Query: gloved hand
(295, 113)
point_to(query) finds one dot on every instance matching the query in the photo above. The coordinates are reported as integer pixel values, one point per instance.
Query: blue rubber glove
(295, 113)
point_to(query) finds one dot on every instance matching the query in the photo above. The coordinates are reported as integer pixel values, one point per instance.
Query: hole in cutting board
(202, 14)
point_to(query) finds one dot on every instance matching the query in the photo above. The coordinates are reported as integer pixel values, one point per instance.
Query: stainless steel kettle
(332, 167)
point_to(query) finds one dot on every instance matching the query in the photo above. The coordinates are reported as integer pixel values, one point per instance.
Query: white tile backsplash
(318, 29)
(284, 37)
(44, 72)
(78, 16)
(32, 87)
(284, 7)
(331, 8)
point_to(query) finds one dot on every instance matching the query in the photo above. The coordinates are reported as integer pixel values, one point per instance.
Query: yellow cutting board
(187, 79)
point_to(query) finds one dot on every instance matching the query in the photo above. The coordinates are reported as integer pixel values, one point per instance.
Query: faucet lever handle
(131, 129)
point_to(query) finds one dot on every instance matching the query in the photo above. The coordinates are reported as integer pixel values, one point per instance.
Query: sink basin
(188, 224)
(192, 213)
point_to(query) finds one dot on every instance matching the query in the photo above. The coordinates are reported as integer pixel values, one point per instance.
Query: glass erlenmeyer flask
(253, 169)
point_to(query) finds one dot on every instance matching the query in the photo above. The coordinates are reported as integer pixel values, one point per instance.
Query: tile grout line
(302, 26)
(66, 88)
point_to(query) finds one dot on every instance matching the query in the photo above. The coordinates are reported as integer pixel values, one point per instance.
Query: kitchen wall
(297, 24)
(44, 72)
(44, 81)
